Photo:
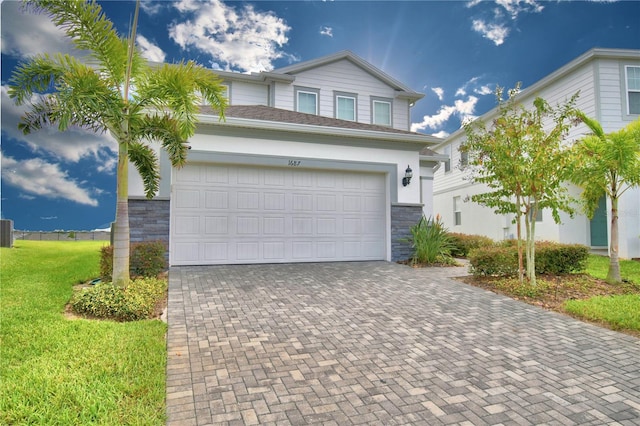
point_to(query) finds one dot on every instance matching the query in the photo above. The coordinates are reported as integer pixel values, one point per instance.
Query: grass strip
(621, 312)
(73, 372)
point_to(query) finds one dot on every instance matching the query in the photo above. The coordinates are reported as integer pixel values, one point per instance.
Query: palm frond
(90, 30)
(181, 88)
(163, 129)
(146, 162)
(592, 124)
(39, 74)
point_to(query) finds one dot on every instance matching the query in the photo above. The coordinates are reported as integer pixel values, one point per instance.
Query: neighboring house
(308, 166)
(609, 85)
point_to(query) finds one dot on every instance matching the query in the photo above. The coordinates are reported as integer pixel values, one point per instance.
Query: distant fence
(61, 235)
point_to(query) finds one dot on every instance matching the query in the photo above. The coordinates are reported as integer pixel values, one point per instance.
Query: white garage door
(224, 214)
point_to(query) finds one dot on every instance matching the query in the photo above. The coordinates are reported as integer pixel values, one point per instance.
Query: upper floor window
(633, 89)
(345, 105)
(381, 112)
(464, 158)
(447, 163)
(307, 100)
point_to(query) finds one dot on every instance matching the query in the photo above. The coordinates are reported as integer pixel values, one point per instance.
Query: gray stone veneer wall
(149, 220)
(403, 217)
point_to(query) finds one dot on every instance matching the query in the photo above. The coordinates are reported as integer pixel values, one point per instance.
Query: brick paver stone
(381, 343)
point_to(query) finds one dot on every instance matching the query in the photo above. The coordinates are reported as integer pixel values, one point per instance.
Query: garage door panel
(302, 202)
(228, 214)
(217, 175)
(216, 200)
(215, 252)
(275, 201)
(274, 251)
(188, 199)
(216, 225)
(273, 225)
(187, 225)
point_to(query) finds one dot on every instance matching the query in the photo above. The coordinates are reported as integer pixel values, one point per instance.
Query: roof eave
(590, 55)
(418, 139)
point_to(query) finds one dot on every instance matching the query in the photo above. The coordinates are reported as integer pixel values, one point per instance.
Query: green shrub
(146, 260)
(462, 244)
(135, 302)
(551, 258)
(430, 242)
(554, 258)
(494, 260)
(106, 263)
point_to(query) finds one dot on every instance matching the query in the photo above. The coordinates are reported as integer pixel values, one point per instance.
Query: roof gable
(403, 90)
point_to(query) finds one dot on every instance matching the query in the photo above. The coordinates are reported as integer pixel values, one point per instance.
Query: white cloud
(234, 38)
(149, 50)
(326, 31)
(494, 32)
(71, 145)
(515, 7)
(152, 8)
(441, 134)
(439, 91)
(498, 26)
(483, 90)
(462, 91)
(461, 109)
(26, 34)
(36, 176)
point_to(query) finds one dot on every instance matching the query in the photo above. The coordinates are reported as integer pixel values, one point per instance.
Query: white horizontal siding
(344, 76)
(613, 96)
(245, 93)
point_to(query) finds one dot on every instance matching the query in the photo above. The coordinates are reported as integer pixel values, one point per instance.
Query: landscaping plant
(430, 242)
(521, 158)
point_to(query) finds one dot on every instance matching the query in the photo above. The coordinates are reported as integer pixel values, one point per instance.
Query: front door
(599, 224)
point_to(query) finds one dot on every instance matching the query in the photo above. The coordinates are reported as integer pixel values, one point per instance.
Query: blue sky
(455, 52)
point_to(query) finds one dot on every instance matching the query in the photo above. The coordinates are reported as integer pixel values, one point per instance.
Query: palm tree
(608, 164)
(114, 90)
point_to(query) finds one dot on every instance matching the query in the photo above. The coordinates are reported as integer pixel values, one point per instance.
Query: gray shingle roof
(265, 113)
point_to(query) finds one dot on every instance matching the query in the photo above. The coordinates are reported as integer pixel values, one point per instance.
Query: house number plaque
(294, 163)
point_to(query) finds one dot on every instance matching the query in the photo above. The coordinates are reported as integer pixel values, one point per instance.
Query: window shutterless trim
(377, 100)
(307, 90)
(345, 95)
(629, 90)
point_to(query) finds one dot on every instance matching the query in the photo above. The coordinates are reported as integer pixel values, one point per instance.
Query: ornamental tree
(114, 90)
(521, 158)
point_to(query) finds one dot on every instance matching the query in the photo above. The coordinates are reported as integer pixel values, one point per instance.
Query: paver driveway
(381, 343)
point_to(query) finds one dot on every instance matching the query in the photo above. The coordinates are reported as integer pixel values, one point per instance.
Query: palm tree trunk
(121, 229)
(614, 262)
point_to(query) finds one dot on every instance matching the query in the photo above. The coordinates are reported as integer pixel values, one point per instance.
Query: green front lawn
(598, 267)
(620, 312)
(54, 370)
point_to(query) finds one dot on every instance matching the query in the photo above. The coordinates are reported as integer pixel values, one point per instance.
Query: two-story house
(609, 84)
(314, 162)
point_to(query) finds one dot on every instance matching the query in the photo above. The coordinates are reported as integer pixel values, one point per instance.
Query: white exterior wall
(601, 96)
(344, 76)
(250, 142)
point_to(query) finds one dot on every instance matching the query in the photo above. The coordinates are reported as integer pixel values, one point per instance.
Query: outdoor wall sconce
(408, 174)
